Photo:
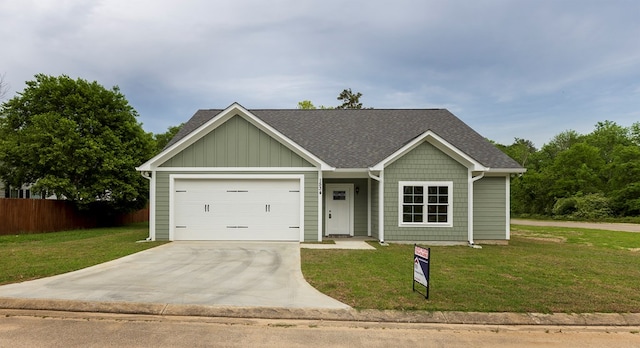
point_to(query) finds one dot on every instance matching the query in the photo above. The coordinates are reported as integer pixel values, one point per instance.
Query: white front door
(339, 209)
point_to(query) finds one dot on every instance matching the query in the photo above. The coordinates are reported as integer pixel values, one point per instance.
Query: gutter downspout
(380, 180)
(472, 180)
(147, 175)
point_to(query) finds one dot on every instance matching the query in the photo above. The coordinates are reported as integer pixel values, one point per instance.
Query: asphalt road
(68, 329)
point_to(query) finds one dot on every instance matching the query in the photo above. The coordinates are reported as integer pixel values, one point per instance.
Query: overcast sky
(513, 68)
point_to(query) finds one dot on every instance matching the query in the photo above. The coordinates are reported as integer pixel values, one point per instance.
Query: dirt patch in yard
(539, 237)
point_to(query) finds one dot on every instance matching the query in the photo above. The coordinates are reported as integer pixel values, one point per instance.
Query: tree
(578, 169)
(75, 139)
(607, 136)
(162, 139)
(561, 142)
(349, 100)
(306, 105)
(520, 150)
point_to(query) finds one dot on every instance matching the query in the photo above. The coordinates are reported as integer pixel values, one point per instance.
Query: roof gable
(236, 143)
(364, 138)
(205, 121)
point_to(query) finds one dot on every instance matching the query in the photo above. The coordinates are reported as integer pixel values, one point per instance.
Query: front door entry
(339, 209)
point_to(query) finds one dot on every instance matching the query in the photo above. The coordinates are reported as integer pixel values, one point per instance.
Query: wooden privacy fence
(44, 215)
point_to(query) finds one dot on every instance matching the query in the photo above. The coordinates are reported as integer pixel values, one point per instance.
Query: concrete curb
(367, 315)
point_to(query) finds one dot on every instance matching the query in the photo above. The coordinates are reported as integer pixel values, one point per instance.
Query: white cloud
(510, 68)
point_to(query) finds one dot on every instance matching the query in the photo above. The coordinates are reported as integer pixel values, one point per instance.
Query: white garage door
(219, 209)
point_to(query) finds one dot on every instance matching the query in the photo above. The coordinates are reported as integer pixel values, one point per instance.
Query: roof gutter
(147, 175)
(380, 180)
(472, 180)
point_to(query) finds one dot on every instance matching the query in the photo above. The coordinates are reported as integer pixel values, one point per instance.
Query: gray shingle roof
(348, 138)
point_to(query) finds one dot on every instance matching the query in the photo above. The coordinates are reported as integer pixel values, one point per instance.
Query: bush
(565, 206)
(593, 206)
(626, 201)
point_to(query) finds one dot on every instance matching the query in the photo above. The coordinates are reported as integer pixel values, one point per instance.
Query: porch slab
(340, 244)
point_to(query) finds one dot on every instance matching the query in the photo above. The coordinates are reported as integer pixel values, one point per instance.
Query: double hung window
(425, 203)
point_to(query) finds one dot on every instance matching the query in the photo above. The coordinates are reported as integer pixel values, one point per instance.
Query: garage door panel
(214, 209)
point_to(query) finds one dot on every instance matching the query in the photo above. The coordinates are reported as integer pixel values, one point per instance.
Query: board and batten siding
(426, 163)
(236, 144)
(489, 208)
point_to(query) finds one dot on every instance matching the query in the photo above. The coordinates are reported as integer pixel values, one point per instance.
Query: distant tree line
(590, 176)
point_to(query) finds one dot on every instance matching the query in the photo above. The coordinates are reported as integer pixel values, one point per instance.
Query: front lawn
(543, 269)
(32, 256)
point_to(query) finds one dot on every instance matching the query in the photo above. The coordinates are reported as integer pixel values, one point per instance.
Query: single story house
(304, 175)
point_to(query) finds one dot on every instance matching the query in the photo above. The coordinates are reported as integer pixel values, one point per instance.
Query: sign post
(421, 268)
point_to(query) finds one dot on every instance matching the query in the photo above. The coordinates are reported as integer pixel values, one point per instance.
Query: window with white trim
(425, 203)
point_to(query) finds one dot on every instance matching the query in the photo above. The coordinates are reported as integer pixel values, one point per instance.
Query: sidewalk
(437, 317)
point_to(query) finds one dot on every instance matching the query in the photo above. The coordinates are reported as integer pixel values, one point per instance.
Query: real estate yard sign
(421, 268)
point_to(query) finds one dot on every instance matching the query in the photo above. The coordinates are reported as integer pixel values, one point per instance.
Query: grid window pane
(415, 206)
(412, 203)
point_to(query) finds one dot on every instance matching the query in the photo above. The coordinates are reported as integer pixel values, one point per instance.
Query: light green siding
(359, 204)
(375, 193)
(237, 143)
(489, 208)
(426, 163)
(162, 205)
(311, 206)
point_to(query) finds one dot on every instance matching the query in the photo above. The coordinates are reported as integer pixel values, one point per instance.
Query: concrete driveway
(246, 274)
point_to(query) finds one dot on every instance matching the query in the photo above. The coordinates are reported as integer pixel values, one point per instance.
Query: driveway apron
(246, 274)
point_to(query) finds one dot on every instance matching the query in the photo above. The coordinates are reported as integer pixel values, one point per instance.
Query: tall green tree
(521, 150)
(77, 140)
(624, 180)
(162, 139)
(559, 143)
(349, 100)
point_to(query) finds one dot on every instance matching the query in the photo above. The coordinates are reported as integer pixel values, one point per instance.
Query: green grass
(543, 269)
(31, 256)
